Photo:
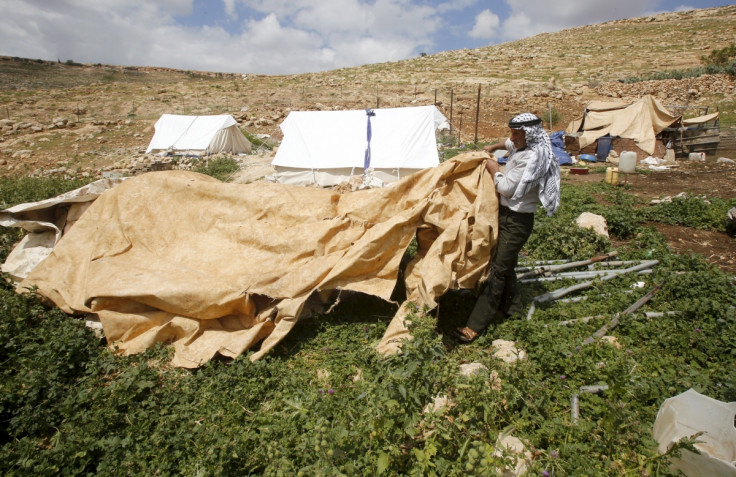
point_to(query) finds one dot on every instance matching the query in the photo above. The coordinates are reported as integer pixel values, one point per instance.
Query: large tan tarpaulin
(46, 221)
(214, 268)
(640, 121)
(700, 119)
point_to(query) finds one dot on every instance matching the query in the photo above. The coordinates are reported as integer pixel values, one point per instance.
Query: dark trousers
(501, 291)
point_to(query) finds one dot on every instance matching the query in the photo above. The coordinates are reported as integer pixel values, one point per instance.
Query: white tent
(326, 147)
(198, 135)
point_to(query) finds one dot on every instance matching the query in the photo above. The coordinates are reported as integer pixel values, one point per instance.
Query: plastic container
(696, 156)
(588, 158)
(693, 414)
(604, 147)
(612, 175)
(627, 162)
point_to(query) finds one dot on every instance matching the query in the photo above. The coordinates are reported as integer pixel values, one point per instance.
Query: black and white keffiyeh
(543, 169)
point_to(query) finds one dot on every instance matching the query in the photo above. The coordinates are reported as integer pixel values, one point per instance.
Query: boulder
(507, 351)
(593, 221)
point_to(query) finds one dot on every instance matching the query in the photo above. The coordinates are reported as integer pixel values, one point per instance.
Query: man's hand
(492, 166)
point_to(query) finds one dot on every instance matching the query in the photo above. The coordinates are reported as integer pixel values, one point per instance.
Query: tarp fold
(214, 268)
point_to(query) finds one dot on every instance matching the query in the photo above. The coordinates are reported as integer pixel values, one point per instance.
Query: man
(532, 175)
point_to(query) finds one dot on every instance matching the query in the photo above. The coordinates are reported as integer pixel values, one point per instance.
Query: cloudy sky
(288, 36)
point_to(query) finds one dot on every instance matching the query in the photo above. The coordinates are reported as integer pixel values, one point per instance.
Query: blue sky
(289, 36)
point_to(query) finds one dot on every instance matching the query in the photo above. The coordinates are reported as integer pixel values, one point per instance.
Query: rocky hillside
(71, 118)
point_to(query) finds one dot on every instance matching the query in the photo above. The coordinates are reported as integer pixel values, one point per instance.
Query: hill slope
(88, 118)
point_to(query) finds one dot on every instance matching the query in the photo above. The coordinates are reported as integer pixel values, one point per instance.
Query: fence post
(477, 115)
(452, 97)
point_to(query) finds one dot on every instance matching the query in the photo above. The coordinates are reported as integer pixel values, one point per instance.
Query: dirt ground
(709, 178)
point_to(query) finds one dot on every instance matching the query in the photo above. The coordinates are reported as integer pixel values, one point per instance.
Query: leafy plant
(259, 142)
(707, 213)
(323, 402)
(221, 168)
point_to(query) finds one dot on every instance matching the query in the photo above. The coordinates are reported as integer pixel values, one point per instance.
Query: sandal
(466, 335)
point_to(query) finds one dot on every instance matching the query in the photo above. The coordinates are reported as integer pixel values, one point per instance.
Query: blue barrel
(604, 147)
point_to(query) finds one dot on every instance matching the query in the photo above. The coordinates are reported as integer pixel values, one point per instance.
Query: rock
(471, 369)
(439, 403)
(512, 447)
(25, 153)
(507, 351)
(593, 221)
(612, 341)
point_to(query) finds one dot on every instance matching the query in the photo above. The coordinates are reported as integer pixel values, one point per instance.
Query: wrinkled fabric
(216, 268)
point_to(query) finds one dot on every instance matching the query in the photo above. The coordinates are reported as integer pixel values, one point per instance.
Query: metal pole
(452, 97)
(477, 115)
(554, 295)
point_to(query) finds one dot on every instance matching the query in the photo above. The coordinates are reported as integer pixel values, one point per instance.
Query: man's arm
(507, 182)
(494, 147)
(492, 166)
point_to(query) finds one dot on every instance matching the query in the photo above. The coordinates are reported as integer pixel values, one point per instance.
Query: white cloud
(326, 17)
(486, 25)
(455, 5)
(274, 36)
(683, 8)
(278, 36)
(530, 17)
(230, 8)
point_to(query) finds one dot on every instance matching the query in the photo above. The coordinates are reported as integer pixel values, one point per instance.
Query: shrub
(699, 212)
(221, 168)
(720, 57)
(257, 142)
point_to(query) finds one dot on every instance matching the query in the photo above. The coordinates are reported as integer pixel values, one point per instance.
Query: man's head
(518, 137)
(520, 125)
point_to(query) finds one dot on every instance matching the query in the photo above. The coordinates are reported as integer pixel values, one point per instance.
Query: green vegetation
(721, 57)
(221, 168)
(324, 403)
(556, 117)
(451, 147)
(720, 61)
(257, 142)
